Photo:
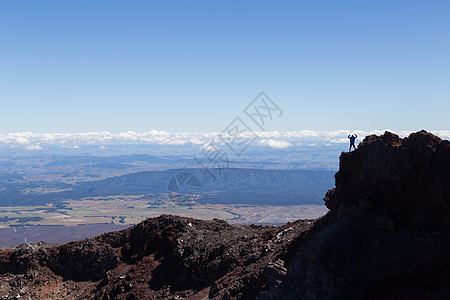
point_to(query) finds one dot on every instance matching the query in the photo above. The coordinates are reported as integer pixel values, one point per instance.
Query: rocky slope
(165, 257)
(386, 236)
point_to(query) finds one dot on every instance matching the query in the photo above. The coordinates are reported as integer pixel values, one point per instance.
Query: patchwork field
(131, 209)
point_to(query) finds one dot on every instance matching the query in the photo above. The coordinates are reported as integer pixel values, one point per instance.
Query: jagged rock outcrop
(403, 179)
(162, 258)
(386, 236)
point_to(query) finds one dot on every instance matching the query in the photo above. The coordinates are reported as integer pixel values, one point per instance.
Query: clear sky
(78, 66)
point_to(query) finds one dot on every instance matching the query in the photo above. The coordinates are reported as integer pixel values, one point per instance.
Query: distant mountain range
(226, 186)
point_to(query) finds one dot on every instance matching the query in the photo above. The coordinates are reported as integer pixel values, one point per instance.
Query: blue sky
(79, 66)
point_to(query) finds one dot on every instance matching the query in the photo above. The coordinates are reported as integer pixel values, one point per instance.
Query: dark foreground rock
(165, 257)
(386, 237)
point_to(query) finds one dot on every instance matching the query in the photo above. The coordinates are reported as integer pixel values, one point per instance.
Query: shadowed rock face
(404, 179)
(386, 236)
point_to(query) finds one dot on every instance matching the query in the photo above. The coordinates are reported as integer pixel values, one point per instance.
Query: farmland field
(131, 209)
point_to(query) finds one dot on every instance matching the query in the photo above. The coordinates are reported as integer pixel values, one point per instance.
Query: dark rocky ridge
(164, 257)
(386, 236)
(405, 179)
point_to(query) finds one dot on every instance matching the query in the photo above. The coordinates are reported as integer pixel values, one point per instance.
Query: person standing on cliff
(352, 141)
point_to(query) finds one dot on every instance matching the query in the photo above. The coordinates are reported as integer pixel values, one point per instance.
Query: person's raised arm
(349, 136)
(356, 135)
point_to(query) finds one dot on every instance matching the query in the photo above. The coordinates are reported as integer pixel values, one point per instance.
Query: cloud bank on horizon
(271, 139)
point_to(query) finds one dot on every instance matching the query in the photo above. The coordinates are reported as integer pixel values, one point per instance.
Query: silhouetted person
(352, 141)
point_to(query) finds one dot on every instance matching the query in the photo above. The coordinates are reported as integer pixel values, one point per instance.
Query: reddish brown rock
(404, 179)
(387, 235)
(160, 258)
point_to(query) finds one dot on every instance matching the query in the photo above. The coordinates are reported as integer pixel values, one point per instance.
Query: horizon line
(272, 139)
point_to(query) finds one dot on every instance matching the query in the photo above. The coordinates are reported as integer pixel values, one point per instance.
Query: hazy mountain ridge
(233, 185)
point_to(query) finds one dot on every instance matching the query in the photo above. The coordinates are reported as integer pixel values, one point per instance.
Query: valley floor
(90, 217)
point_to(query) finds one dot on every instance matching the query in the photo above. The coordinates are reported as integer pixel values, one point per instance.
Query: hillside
(386, 237)
(231, 185)
(228, 186)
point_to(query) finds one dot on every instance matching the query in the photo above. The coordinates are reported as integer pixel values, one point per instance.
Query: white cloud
(33, 147)
(275, 144)
(70, 146)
